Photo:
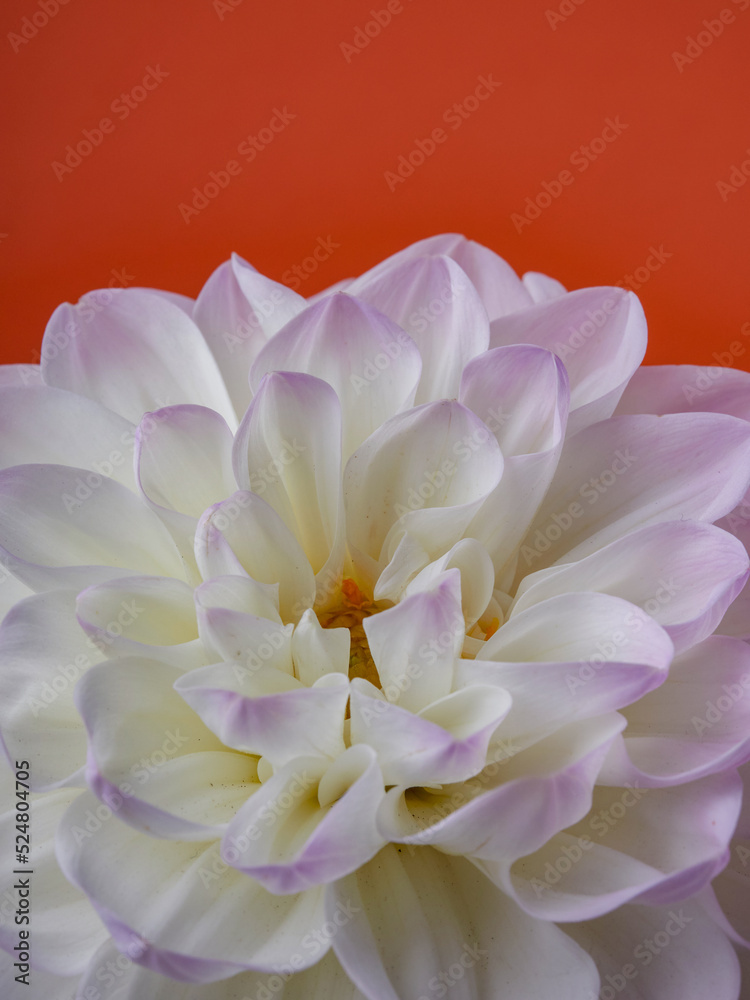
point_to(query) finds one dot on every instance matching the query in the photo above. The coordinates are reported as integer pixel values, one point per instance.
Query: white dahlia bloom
(390, 644)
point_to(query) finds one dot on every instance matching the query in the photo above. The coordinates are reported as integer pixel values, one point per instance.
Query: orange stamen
(352, 594)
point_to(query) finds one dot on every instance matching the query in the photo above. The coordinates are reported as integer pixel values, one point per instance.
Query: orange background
(355, 113)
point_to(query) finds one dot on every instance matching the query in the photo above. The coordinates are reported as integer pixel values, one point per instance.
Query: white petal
(599, 334)
(143, 616)
(683, 574)
(237, 311)
(687, 388)
(269, 713)
(415, 917)
(324, 981)
(21, 376)
(312, 822)
(288, 449)
(415, 644)
(64, 528)
(661, 953)
(696, 723)
(446, 742)
(541, 287)
(371, 363)
(318, 651)
(497, 283)
(513, 807)
(426, 472)
(44, 653)
(40, 424)
(184, 459)
(572, 657)
(477, 578)
(245, 534)
(245, 640)
(132, 350)
(659, 846)
(151, 759)
(11, 590)
(190, 910)
(522, 395)
(632, 471)
(437, 305)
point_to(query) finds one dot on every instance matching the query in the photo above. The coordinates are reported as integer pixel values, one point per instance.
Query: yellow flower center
(351, 612)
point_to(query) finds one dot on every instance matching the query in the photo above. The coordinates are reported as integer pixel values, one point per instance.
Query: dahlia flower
(389, 644)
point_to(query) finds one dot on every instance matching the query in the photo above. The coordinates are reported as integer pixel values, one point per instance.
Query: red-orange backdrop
(640, 106)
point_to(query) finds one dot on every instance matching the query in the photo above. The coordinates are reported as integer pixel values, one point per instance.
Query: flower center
(350, 613)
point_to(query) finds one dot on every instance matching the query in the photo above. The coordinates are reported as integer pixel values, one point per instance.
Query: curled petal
(182, 909)
(312, 822)
(445, 742)
(245, 535)
(415, 644)
(599, 334)
(268, 712)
